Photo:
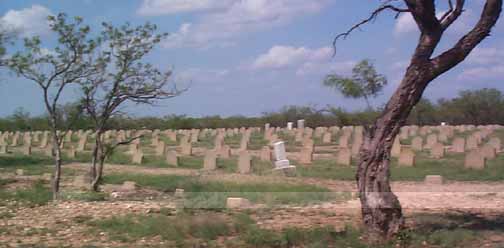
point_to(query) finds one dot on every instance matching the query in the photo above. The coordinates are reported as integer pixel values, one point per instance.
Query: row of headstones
(475, 158)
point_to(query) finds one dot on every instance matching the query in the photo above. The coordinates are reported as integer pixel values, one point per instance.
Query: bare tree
(53, 71)
(123, 77)
(381, 210)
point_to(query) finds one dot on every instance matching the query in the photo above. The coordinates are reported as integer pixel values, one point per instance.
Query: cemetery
(274, 177)
(251, 123)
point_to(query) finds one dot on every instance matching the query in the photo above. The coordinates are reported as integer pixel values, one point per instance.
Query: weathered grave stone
(160, 148)
(27, 150)
(396, 148)
(244, 162)
(434, 179)
(437, 151)
(265, 154)
(4, 149)
(186, 148)
(71, 152)
(496, 143)
(327, 138)
(458, 145)
(471, 142)
(343, 141)
(301, 124)
(306, 155)
(129, 186)
(407, 158)
(137, 157)
(210, 160)
(417, 144)
(488, 151)
(474, 160)
(236, 203)
(172, 158)
(431, 140)
(344, 156)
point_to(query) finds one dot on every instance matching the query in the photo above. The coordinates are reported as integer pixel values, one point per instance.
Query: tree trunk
(57, 166)
(381, 210)
(96, 158)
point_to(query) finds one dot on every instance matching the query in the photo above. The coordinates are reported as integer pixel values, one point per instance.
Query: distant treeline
(484, 106)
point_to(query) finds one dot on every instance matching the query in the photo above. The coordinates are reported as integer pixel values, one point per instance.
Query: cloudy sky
(245, 57)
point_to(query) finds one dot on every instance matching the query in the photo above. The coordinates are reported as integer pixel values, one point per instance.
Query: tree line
(477, 107)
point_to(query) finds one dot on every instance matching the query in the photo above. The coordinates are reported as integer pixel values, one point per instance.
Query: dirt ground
(60, 222)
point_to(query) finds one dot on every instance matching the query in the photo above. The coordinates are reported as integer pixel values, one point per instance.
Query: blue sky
(245, 57)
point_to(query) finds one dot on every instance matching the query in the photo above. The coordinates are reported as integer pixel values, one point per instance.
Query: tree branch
(466, 44)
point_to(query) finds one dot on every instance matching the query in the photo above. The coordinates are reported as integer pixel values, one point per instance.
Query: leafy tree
(122, 76)
(365, 82)
(54, 71)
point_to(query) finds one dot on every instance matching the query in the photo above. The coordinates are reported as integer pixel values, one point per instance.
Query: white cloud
(485, 72)
(284, 56)
(405, 24)
(304, 61)
(29, 21)
(164, 7)
(241, 17)
(485, 55)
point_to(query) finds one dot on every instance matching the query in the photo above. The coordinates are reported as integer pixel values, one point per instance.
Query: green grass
(174, 228)
(451, 167)
(38, 194)
(32, 165)
(213, 194)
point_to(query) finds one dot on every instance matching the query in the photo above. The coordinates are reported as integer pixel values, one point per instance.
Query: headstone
(27, 150)
(417, 143)
(244, 163)
(396, 148)
(160, 148)
(344, 156)
(301, 124)
(129, 186)
(437, 151)
(474, 160)
(327, 138)
(496, 143)
(225, 152)
(280, 155)
(431, 140)
(406, 158)
(434, 179)
(4, 149)
(71, 153)
(172, 158)
(343, 141)
(289, 125)
(306, 155)
(458, 145)
(137, 157)
(471, 142)
(488, 151)
(265, 154)
(235, 202)
(210, 160)
(186, 148)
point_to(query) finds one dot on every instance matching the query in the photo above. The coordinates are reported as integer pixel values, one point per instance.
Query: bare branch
(372, 17)
(450, 16)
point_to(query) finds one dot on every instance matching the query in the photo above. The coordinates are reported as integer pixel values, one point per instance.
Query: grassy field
(241, 230)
